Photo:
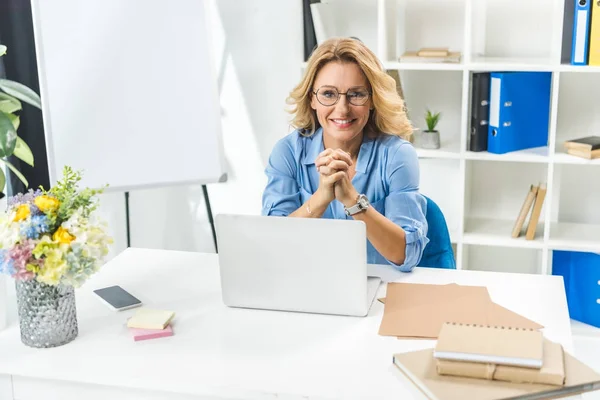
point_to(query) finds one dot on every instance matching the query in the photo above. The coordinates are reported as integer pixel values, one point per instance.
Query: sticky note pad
(145, 334)
(146, 318)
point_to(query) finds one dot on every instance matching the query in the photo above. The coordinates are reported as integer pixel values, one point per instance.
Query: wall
(258, 48)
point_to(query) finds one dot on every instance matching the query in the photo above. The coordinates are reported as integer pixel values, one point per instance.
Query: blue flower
(6, 263)
(34, 228)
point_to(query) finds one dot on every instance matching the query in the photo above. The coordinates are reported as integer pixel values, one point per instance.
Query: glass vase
(47, 314)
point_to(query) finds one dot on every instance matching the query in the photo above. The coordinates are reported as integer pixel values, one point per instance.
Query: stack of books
(150, 324)
(431, 55)
(585, 147)
(534, 200)
(495, 362)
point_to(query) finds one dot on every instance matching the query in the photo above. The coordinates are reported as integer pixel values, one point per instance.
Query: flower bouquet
(51, 242)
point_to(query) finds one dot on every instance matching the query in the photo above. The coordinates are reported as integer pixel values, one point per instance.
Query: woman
(348, 157)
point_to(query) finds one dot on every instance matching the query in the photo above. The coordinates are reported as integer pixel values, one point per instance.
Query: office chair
(438, 253)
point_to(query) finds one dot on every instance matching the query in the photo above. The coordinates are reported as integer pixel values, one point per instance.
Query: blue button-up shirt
(387, 172)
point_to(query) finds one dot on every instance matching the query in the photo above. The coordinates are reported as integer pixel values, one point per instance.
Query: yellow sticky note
(146, 318)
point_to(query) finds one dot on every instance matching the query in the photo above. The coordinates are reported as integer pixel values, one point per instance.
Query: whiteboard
(129, 92)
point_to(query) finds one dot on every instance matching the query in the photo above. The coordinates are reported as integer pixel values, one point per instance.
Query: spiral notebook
(490, 344)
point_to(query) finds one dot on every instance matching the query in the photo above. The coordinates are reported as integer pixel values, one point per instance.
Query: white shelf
(578, 68)
(535, 155)
(425, 66)
(493, 232)
(564, 158)
(480, 63)
(439, 153)
(575, 237)
(582, 330)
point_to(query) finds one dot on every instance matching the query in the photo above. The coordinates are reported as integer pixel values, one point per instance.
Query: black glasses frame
(316, 93)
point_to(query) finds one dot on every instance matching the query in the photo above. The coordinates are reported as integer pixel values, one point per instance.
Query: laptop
(295, 264)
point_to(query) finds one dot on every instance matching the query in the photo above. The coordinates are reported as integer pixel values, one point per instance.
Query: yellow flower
(32, 268)
(22, 213)
(62, 236)
(46, 203)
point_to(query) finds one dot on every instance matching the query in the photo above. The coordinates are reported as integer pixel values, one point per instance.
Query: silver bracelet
(308, 207)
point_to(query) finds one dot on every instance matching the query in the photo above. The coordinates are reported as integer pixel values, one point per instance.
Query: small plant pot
(430, 140)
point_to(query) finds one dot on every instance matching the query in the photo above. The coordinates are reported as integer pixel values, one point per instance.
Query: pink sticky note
(145, 334)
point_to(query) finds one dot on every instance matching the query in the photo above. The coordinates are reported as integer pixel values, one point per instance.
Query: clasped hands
(334, 180)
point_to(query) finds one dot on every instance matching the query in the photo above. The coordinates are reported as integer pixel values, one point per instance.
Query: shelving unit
(481, 193)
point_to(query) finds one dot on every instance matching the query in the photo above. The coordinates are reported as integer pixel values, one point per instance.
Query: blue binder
(581, 32)
(519, 110)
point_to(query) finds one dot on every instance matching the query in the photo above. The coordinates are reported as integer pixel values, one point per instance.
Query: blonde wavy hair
(388, 115)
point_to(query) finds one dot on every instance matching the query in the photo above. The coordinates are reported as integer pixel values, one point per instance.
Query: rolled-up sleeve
(281, 196)
(404, 205)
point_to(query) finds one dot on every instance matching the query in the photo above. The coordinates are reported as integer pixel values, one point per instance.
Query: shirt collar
(315, 147)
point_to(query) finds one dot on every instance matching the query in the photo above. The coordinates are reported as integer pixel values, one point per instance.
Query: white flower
(9, 230)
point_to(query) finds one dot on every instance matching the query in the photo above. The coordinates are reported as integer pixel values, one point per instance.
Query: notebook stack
(585, 147)
(495, 362)
(150, 324)
(507, 354)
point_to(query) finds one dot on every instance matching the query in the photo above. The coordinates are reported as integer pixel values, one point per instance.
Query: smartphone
(117, 298)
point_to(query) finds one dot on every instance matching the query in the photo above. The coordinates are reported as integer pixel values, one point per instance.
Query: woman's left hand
(345, 192)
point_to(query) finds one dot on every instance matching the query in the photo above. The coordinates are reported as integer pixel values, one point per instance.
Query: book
(433, 52)
(146, 318)
(516, 232)
(552, 371)
(588, 143)
(146, 334)
(419, 367)
(490, 344)
(590, 155)
(536, 212)
(412, 56)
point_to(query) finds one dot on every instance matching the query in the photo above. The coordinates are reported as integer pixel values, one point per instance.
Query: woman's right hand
(332, 166)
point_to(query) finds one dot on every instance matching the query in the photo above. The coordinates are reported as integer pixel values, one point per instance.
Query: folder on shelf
(581, 31)
(516, 232)
(567, 32)
(487, 344)
(519, 110)
(536, 212)
(480, 111)
(594, 52)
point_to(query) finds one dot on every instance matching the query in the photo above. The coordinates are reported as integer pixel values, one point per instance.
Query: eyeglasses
(329, 95)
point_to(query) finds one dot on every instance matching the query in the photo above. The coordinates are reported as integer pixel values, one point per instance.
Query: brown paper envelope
(426, 320)
(447, 303)
(410, 295)
(500, 316)
(419, 367)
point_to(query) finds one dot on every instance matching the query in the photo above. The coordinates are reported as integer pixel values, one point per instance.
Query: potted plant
(11, 95)
(430, 138)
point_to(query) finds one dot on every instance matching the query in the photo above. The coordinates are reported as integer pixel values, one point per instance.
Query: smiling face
(342, 122)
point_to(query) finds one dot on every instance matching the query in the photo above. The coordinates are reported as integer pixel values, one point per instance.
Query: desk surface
(251, 354)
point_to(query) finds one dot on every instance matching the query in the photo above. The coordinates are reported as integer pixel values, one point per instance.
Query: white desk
(219, 352)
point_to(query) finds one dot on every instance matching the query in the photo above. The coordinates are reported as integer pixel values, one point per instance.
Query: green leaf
(2, 50)
(2, 180)
(8, 136)
(16, 121)
(16, 172)
(21, 92)
(23, 152)
(9, 104)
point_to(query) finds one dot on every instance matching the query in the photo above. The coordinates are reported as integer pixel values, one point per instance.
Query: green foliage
(71, 199)
(432, 120)
(11, 95)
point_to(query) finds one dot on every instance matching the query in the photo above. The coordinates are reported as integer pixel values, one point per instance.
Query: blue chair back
(438, 253)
